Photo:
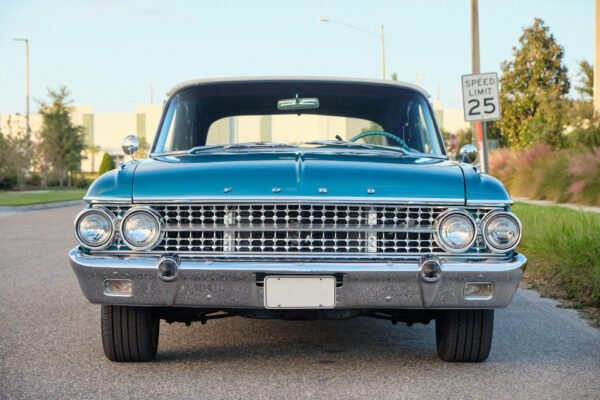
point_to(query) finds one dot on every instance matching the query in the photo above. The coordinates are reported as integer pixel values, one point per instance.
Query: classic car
(297, 198)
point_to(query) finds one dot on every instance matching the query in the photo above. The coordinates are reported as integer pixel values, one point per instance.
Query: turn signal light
(478, 290)
(118, 287)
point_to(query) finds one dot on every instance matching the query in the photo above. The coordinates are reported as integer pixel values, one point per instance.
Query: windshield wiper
(246, 145)
(243, 145)
(346, 143)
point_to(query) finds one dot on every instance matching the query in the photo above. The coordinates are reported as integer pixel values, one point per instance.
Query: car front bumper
(230, 284)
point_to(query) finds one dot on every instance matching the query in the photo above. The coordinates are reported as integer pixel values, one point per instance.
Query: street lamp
(26, 82)
(380, 35)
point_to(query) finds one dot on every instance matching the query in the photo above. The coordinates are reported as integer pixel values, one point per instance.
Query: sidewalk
(572, 206)
(9, 210)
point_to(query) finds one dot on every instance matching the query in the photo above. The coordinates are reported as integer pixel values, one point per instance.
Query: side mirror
(130, 145)
(467, 154)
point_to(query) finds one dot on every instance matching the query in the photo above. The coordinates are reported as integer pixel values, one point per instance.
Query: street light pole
(381, 36)
(28, 127)
(382, 39)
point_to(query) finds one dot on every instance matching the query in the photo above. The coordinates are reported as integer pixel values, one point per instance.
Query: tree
(529, 83)
(92, 151)
(61, 142)
(586, 77)
(16, 150)
(585, 122)
(107, 164)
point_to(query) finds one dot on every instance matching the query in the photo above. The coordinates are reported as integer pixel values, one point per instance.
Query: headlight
(501, 231)
(456, 231)
(95, 228)
(141, 228)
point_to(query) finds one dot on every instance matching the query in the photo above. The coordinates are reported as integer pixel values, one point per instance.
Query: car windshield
(272, 114)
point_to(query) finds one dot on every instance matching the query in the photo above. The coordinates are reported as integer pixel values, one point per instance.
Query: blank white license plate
(300, 292)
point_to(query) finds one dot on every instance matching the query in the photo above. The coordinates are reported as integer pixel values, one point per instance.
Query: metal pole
(27, 85)
(478, 128)
(27, 126)
(474, 55)
(382, 37)
(597, 57)
(484, 154)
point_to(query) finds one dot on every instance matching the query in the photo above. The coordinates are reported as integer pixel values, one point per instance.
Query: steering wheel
(388, 135)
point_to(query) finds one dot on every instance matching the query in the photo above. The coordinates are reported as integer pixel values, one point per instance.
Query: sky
(112, 54)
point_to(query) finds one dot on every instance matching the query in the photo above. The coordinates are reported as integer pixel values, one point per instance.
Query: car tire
(129, 334)
(464, 335)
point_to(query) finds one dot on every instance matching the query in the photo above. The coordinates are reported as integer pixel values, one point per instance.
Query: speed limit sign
(480, 97)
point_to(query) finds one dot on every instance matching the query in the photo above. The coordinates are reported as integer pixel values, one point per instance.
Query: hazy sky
(110, 52)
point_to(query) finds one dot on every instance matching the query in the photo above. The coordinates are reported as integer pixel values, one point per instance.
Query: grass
(563, 248)
(25, 198)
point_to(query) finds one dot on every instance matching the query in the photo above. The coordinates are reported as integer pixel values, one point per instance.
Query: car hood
(273, 175)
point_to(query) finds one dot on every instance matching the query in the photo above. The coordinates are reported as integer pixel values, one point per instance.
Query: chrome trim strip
(107, 199)
(484, 203)
(304, 257)
(290, 228)
(301, 200)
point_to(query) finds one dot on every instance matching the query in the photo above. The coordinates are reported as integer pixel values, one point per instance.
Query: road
(50, 345)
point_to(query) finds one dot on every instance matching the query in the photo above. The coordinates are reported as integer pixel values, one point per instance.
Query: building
(105, 131)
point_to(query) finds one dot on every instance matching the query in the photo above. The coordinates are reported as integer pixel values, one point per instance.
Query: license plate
(299, 292)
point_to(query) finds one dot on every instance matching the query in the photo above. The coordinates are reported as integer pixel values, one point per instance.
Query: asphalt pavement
(50, 345)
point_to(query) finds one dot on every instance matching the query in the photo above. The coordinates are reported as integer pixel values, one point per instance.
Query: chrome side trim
(301, 200)
(107, 199)
(489, 203)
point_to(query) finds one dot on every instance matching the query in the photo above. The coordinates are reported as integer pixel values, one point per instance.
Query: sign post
(481, 103)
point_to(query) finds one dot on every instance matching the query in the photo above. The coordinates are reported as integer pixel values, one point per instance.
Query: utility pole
(478, 128)
(597, 57)
(27, 125)
(382, 38)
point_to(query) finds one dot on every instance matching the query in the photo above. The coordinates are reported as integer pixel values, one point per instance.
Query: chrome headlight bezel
(105, 213)
(444, 217)
(157, 219)
(489, 218)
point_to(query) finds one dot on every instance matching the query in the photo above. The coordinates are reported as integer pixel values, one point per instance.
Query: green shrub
(571, 175)
(563, 251)
(107, 164)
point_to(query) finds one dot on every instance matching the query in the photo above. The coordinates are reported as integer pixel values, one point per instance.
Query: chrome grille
(298, 229)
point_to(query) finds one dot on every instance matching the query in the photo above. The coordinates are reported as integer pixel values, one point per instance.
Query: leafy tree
(529, 83)
(61, 142)
(92, 151)
(16, 150)
(394, 76)
(586, 76)
(107, 164)
(584, 121)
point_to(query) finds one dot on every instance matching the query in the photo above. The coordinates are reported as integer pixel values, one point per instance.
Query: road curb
(43, 206)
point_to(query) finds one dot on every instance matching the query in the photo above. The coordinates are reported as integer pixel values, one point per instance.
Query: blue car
(297, 198)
